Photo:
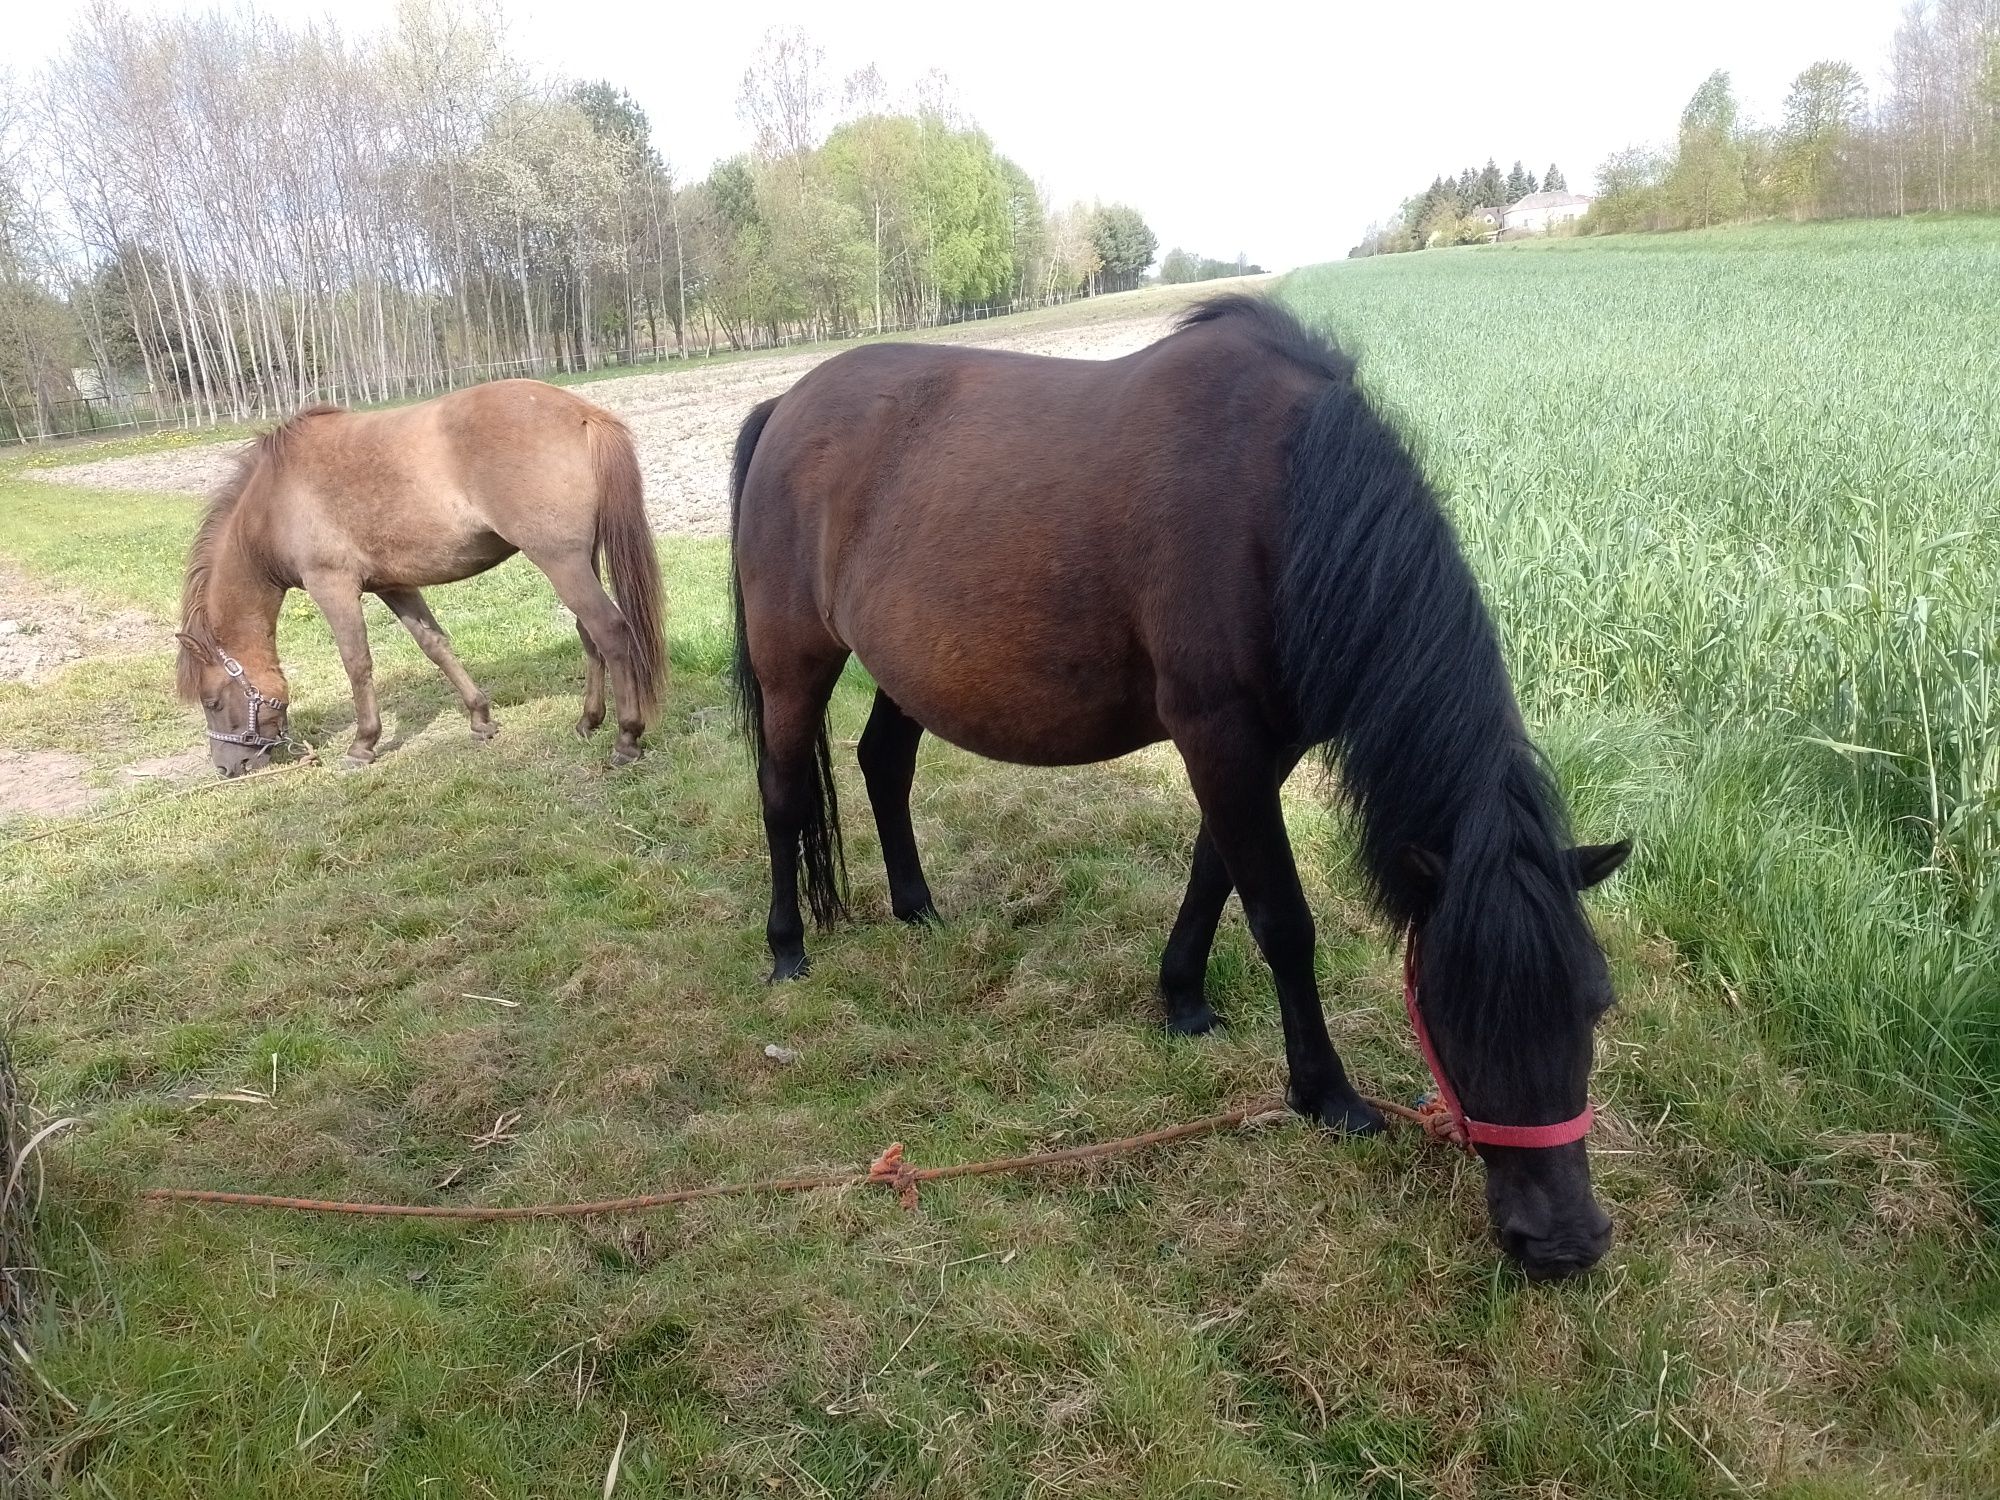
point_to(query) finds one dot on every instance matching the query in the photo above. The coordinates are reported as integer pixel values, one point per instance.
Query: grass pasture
(1662, 453)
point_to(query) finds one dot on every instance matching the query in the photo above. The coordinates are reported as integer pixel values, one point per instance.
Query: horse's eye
(211, 704)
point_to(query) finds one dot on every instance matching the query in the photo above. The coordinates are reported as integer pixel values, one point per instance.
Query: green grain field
(1733, 497)
(1736, 498)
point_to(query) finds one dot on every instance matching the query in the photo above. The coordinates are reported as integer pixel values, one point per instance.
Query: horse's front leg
(1184, 964)
(339, 599)
(1236, 775)
(424, 629)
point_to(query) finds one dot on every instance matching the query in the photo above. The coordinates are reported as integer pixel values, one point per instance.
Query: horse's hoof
(624, 755)
(485, 732)
(920, 916)
(792, 966)
(1347, 1116)
(355, 760)
(586, 727)
(1196, 1020)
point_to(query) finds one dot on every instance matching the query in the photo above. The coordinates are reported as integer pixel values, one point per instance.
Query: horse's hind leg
(417, 618)
(801, 821)
(593, 685)
(1236, 777)
(339, 599)
(888, 756)
(603, 623)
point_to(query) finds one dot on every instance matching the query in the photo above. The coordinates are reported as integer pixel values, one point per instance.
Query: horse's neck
(243, 600)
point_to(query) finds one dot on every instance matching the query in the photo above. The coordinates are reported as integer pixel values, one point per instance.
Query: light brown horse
(343, 503)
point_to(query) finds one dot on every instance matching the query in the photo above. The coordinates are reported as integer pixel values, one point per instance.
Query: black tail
(823, 859)
(743, 681)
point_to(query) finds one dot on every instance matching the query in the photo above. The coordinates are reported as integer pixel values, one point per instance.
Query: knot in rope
(891, 1171)
(1434, 1117)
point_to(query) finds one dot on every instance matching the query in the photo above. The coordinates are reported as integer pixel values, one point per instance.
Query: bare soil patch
(55, 784)
(185, 766)
(44, 784)
(43, 630)
(685, 420)
(184, 471)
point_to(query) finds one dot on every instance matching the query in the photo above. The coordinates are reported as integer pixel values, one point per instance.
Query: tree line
(1929, 141)
(1178, 267)
(239, 215)
(1448, 212)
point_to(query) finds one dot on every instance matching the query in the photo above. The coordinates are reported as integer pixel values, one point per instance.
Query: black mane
(1397, 675)
(1270, 325)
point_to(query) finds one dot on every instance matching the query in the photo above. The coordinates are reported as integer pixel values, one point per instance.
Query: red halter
(1463, 1130)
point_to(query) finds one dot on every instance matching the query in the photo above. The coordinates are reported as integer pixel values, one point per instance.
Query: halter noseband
(254, 735)
(1466, 1131)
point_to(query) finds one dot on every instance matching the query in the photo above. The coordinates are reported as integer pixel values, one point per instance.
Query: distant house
(1540, 212)
(1490, 216)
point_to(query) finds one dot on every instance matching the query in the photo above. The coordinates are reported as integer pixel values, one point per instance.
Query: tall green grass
(1735, 498)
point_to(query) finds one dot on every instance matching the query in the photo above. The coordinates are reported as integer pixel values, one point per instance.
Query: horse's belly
(1050, 745)
(1027, 720)
(432, 560)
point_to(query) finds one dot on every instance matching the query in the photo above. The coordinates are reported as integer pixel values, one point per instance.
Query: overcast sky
(1281, 134)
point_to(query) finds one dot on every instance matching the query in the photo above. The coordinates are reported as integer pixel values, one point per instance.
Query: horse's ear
(191, 644)
(1425, 868)
(1593, 863)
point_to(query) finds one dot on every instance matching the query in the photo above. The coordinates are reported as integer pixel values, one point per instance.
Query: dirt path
(43, 630)
(178, 471)
(44, 783)
(685, 420)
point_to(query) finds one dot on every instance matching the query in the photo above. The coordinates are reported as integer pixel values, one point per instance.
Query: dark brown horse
(340, 503)
(1216, 541)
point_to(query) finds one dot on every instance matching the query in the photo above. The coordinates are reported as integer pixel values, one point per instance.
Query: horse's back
(445, 488)
(1020, 548)
(486, 440)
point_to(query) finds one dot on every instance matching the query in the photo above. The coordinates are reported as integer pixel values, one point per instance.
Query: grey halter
(254, 735)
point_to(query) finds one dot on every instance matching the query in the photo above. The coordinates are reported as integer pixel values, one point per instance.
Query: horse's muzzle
(1542, 1210)
(1552, 1257)
(232, 766)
